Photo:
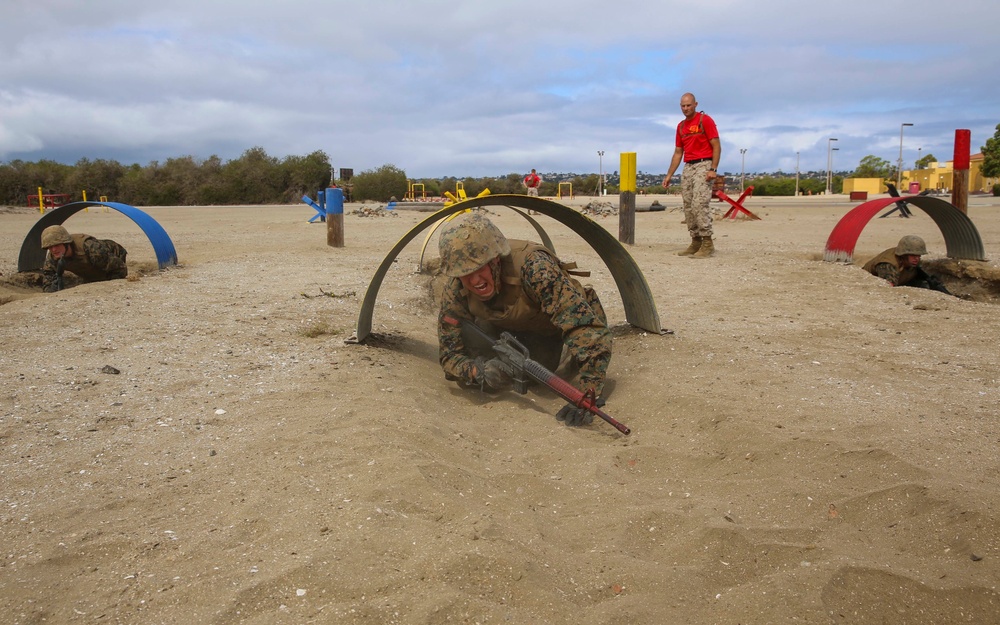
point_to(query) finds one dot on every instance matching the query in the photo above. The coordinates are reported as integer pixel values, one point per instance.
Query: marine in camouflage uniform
(89, 258)
(900, 266)
(531, 294)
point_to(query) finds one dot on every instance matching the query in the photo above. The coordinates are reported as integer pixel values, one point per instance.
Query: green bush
(380, 184)
(996, 190)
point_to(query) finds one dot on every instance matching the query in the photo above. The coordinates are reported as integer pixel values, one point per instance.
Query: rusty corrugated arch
(640, 310)
(961, 238)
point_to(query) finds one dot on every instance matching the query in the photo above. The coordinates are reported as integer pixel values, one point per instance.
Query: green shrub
(380, 184)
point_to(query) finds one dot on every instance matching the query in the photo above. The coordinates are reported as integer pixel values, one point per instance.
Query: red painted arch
(961, 238)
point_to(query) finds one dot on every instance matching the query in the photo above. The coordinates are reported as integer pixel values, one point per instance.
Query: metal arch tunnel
(640, 309)
(542, 234)
(961, 238)
(33, 256)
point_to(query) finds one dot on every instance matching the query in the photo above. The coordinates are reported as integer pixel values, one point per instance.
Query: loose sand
(810, 445)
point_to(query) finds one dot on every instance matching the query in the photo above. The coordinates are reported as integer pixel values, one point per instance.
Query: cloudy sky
(489, 87)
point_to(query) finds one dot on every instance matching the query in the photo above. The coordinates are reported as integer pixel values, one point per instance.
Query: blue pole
(335, 201)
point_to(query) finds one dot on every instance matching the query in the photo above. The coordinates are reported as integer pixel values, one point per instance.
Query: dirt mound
(968, 279)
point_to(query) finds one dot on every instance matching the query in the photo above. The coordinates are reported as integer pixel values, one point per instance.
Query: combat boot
(691, 249)
(707, 248)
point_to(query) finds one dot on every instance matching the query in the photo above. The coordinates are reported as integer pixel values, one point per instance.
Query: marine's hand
(493, 374)
(572, 415)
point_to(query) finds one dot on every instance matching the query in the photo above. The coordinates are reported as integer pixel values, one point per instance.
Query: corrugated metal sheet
(32, 255)
(640, 309)
(961, 237)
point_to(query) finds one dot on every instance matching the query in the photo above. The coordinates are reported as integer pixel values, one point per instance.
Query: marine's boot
(691, 249)
(707, 248)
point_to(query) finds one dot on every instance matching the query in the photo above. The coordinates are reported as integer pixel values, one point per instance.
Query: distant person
(531, 182)
(697, 142)
(90, 259)
(900, 266)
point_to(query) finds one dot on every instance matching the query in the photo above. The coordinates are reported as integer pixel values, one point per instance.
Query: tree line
(257, 178)
(253, 178)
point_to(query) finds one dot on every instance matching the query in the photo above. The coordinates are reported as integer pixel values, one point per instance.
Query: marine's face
(911, 260)
(481, 282)
(58, 251)
(688, 106)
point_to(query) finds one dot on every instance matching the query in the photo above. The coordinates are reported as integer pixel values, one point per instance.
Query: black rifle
(929, 281)
(515, 355)
(60, 268)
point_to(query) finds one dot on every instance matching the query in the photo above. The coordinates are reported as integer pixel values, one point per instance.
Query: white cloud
(457, 88)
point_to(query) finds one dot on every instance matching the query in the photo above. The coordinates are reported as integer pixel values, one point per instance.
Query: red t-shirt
(532, 180)
(693, 136)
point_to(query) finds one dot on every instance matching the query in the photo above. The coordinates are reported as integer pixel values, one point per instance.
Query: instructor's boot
(707, 248)
(691, 249)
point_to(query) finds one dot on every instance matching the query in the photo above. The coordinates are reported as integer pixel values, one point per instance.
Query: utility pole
(600, 181)
(831, 168)
(899, 169)
(796, 174)
(829, 165)
(743, 152)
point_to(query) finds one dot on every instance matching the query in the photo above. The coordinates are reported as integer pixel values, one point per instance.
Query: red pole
(960, 174)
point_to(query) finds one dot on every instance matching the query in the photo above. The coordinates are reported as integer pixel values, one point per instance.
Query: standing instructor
(698, 145)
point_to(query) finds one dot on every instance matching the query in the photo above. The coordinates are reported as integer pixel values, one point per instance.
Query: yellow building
(940, 176)
(872, 186)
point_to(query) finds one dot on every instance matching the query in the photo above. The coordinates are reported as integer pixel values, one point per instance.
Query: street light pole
(899, 169)
(796, 174)
(600, 181)
(743, 152)
(829, 165)
(831, 168)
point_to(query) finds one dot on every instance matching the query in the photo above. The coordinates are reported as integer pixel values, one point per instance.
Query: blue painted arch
(32, 255)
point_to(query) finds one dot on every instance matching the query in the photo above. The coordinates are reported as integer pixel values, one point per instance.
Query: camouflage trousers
(696, 192)
(533, 191)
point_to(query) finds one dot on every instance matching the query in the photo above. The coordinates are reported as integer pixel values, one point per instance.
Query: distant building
(940, 176)
(872, 186)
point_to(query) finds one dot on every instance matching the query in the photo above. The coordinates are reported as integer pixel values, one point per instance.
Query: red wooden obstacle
(737, 205)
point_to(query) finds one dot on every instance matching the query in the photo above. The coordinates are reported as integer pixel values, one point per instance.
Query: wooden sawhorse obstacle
(737, 205)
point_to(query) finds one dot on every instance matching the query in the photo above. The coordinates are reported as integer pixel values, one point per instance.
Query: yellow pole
(626, 199)
(41, 202)
(86, 210)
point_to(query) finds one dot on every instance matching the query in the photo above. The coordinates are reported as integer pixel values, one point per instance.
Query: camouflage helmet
(468, 243)
(911, 244)
(55, 235)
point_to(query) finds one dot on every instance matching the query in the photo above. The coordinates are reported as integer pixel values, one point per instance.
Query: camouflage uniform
(887, 266)
(696, 192)
(537, 299)
(93, 260)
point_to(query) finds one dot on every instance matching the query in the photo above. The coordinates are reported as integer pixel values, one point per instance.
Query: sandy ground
(810, 445)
